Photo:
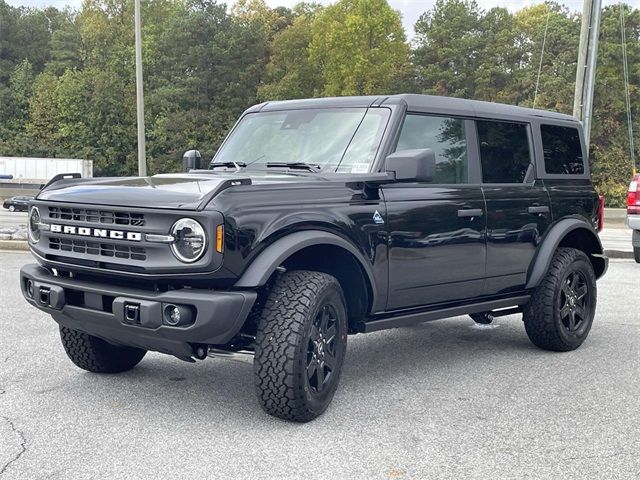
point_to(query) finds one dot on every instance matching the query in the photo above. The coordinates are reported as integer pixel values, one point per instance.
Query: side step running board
(427, 316)
(244, 356)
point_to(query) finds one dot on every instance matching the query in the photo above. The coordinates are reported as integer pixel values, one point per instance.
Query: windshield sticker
(359, 168)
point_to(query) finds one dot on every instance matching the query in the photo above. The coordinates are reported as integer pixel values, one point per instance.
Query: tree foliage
(67, 78)
(360, 48)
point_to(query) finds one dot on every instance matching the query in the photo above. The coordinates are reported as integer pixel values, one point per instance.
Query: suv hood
(189, 191)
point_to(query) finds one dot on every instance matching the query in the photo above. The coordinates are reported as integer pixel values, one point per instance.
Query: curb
(14, 245)
(618, 254)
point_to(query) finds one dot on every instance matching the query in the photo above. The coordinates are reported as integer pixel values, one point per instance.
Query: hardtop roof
(421, 103)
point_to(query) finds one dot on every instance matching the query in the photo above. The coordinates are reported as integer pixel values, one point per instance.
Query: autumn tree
(360, 48)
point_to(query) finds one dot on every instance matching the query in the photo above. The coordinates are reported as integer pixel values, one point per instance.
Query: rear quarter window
(562, 150)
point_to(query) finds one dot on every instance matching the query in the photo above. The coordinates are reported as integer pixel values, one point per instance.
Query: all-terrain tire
(96, 355)
(545, 317)
(291, 353)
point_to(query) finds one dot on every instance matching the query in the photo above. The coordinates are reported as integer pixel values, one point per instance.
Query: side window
(562, 150)
(504, 151)
(446, 137)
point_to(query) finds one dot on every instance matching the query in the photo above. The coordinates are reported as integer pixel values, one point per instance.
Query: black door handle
(470, 212)
(538, 209)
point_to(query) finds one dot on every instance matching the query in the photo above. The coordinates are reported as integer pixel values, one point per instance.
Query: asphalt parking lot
(442, 400)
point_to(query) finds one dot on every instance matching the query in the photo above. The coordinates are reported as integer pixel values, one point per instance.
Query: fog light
(177, 315)
(30, 288)
(174, 315)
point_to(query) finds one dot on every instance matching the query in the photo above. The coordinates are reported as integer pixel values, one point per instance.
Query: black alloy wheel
(321, 349)
(560, 313)
(301, 343)
(574, 300)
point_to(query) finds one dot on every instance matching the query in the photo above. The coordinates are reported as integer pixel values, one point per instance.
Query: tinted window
(562, 150)
(336, 139)
(446, 137)
(504, 151)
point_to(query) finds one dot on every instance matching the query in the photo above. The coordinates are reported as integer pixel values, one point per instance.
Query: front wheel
(12, 208)
(96, 355)
(300, 345)
(560, 313)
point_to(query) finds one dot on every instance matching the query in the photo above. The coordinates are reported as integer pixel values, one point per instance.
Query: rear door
(436, 229)
(518, 205)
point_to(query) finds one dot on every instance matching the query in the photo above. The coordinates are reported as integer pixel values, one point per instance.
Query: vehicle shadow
(377, 364)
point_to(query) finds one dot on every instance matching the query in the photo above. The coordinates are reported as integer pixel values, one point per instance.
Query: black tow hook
(132, 313)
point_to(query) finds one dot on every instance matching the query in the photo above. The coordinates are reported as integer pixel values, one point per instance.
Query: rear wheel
(636, 254)
(300, 345)
(96, 355)
(560, 313)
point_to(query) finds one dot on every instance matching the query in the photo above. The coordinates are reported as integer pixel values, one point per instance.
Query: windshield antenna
(351, 139)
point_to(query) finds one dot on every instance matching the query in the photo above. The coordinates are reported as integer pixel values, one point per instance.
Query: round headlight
(34, 225)
(190, 240)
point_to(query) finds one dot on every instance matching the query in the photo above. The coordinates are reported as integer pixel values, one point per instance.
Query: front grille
(98, 248)
(97, 216)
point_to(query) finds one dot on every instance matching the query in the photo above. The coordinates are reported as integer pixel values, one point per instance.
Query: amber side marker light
(219, 238)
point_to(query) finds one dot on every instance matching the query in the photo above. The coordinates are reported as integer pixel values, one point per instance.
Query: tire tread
(280, 331)
(539, 314)
(96, 355)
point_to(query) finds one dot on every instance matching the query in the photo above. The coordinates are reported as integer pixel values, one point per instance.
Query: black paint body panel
(425, 249)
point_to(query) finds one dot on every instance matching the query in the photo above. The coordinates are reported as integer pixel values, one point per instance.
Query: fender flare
(542, 260)
(262, 267)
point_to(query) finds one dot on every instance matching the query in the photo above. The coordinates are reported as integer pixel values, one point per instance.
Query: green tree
(66, 47)
(290, 73)
(448, 49)
(360, 48)
(610, 154)
(43, 122)
(559, 59)
(207, 67)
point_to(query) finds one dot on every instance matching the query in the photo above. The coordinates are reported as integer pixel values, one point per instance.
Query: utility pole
(586, 71)
(142, 156)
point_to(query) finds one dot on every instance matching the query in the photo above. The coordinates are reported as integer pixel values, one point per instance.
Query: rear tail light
(600, 212)
(633, 197)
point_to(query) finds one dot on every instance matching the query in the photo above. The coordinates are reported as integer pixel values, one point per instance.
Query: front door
(436, 229)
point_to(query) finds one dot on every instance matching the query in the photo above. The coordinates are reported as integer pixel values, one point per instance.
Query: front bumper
(101, 310)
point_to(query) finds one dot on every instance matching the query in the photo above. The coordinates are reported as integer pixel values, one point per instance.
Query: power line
(544, 41)
(627, 95)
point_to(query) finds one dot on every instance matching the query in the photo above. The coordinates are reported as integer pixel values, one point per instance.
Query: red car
(633, 214)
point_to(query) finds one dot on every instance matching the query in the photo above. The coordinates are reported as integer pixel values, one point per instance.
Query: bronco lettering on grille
(96, 232)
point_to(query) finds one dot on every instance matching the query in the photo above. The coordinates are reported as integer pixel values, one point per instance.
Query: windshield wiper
(236, 165)
(295, 165)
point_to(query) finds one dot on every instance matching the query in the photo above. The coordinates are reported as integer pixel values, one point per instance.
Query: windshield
(336, 140)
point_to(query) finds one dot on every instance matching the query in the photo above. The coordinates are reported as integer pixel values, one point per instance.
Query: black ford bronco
(321, 218)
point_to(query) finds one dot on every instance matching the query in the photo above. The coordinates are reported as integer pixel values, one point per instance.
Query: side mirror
(191, 160)
(412, 165)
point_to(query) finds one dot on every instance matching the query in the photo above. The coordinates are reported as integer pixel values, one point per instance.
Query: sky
(410, 9)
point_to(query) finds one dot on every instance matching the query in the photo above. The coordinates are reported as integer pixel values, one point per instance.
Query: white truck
(28, 168)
